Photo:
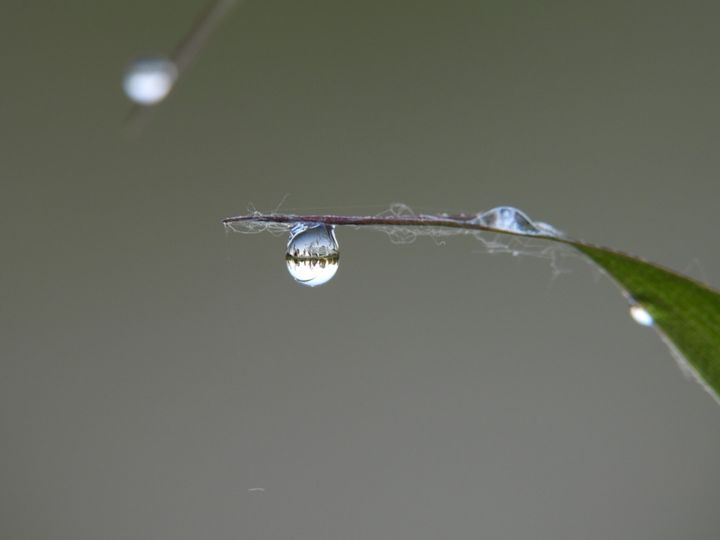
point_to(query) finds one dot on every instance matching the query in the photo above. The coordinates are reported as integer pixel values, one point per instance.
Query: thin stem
(466, 222)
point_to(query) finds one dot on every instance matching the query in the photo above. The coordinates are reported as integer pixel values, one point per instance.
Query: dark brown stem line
(457, 221)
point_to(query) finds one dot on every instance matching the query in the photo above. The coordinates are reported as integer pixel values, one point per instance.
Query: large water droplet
(507, 218)
(149, 80)
(641, 315)
(312, 254)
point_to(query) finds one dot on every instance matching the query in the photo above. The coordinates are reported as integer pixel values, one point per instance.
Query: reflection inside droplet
(149, 80)
(507, 218)
(640, 315)
(313, 254)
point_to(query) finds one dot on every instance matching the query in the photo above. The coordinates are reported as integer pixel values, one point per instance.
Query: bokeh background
(155, 371)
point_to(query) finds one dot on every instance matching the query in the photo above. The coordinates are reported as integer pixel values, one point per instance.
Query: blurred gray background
(155, 371)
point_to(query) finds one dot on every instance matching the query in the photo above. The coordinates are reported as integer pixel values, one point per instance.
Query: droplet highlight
(507, 218)
(641, 316)
(313, 254)
(149, 80)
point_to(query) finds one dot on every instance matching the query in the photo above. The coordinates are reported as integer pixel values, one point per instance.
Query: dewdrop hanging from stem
(312, 254)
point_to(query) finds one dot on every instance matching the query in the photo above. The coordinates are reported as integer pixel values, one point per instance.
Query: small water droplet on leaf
(641, 315)
(148, 81)
(507, 218)
(313, 254)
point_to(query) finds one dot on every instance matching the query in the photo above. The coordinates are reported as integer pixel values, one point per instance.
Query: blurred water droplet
(507, 218)
(640, 315)
(149, 80)
(312, 254)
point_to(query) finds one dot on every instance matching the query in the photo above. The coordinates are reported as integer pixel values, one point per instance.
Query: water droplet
(507, 218)
(641, 315)
(149, 80)
(312, 254)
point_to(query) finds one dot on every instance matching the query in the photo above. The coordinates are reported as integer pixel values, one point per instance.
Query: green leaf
(684, 310)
